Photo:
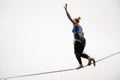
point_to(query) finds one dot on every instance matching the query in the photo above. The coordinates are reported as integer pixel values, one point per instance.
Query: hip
(79, 37)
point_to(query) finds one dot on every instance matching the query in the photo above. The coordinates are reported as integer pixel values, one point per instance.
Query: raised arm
(68, 15)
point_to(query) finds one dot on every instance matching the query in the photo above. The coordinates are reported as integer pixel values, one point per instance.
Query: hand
(65, 6)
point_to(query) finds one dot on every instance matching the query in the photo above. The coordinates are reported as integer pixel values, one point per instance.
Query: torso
(77, 28)
(78, 33)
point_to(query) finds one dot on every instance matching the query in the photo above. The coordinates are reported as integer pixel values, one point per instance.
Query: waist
(79, 36)
(79, 33)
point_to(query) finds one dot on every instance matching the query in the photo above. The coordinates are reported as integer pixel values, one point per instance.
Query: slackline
(35, 74)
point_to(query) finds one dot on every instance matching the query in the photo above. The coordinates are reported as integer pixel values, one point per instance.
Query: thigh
(78, 47)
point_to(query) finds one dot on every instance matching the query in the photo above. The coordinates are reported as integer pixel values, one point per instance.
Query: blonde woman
(79, 40)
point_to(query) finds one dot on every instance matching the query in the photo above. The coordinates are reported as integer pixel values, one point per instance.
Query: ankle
(89, 58)
(81, 65)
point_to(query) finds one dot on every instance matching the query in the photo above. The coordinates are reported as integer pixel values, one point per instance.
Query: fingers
(65, 5)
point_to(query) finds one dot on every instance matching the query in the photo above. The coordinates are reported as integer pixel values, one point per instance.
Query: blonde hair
(79, 17)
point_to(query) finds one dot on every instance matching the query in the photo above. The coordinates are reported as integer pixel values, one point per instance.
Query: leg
(80, 52)
(81, 47)
(89, 59)
(78, 58)
(77, 53)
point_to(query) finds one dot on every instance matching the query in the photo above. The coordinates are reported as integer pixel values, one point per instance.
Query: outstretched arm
(68, 15)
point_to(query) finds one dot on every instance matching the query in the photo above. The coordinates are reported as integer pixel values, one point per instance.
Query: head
(77, 19)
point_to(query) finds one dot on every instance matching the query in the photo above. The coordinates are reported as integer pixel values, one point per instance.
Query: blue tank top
(77, 29)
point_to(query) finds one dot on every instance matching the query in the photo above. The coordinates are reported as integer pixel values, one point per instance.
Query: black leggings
(78, 50)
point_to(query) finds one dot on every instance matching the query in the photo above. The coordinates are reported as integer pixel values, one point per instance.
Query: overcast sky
(36, 36)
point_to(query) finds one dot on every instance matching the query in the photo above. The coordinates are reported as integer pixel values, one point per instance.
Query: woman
(79, 40)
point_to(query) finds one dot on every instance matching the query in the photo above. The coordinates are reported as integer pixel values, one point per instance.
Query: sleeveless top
(77, 29)
(78, 34)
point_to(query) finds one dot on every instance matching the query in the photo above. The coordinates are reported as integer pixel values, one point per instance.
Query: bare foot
(90, 61)
(81, 66)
